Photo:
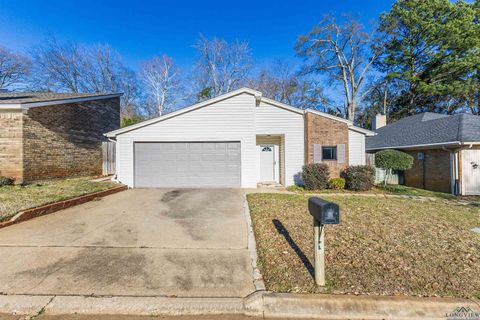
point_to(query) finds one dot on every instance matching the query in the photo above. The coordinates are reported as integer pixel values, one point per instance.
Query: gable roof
(199, 105)
(427, 129)
(258, 97)
(26, 100)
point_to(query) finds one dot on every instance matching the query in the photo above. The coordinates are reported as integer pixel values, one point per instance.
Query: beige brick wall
(65, 140)
(437, 170)
(327, 132)
(11, 155)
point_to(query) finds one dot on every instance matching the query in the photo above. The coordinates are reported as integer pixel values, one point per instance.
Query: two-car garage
(187, 164)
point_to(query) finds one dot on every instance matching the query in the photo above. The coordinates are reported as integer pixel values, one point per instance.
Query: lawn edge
(59, 205)
(252, 248)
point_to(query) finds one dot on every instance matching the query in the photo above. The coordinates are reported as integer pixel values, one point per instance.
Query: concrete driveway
(141, 242)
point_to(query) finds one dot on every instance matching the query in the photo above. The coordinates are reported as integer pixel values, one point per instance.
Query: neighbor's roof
(19, 100)
(427, 129)
(258, 97)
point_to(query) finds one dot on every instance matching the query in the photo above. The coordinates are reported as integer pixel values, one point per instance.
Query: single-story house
(54, 135)
(446, 150)
(238, 139)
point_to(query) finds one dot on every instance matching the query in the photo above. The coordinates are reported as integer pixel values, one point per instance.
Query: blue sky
(139, 29)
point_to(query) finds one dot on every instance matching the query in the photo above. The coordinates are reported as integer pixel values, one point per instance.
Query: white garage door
(187, 164)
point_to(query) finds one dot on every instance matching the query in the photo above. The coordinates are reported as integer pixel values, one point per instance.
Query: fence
(108, 152)
(395, 178)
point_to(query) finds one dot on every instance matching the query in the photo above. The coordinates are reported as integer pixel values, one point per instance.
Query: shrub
(295, 188)
(315, 176)
(5, 181)
(360, 178)
(392, 160)
(336, 183)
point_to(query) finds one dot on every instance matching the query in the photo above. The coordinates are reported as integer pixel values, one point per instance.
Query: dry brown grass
(17, 198)
(382, 246)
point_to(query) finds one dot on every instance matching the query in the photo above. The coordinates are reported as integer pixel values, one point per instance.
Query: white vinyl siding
(231, 119)
(356, 148)
(274, 120)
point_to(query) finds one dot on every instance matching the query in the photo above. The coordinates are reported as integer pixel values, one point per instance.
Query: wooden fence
(108, 152)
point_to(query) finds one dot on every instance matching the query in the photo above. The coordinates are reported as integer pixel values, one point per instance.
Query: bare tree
(281, 82)
(221, 66)
(161, 79)
(14, 68)
(100, 69)
(56, 66)
(343, 52)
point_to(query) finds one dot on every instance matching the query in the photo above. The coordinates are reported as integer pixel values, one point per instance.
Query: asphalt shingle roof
(426, 128)
(31, 97)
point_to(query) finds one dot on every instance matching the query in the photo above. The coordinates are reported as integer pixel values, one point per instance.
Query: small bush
(336, 183)
(360, 178)
(392, 160)
(295, 188)
(5, 181)
(315, 176)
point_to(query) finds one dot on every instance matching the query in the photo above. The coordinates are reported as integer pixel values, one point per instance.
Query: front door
(267, 163)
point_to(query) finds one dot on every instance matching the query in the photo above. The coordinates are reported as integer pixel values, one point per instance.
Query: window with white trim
(329, 153)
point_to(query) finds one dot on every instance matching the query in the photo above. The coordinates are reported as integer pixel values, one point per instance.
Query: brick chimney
(379, 121)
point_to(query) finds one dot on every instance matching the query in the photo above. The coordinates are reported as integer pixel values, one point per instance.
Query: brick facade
(326, 132)
(433, 173)
(11, 141)
(64, 140)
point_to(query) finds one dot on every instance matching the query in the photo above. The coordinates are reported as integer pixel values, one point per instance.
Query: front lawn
(380, 189)
(17, 198)
(381, 246)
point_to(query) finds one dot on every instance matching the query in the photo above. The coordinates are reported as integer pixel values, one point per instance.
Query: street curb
(59, 205)
(258, 304)
(23, 304)
(152, 306)
(324, 306)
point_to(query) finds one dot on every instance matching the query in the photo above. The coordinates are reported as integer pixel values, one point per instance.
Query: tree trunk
(351, 107)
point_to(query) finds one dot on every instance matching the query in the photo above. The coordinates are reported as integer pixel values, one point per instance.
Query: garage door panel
(187, 164)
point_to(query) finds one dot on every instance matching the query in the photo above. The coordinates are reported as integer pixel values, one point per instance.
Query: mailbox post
(323, 212)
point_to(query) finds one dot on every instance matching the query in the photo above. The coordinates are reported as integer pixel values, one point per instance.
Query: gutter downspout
(454, 184)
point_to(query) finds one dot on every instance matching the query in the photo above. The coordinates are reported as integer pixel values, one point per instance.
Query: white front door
(267, 162)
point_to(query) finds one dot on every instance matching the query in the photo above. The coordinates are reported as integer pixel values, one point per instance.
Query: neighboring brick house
(446, 150)
(52, 135)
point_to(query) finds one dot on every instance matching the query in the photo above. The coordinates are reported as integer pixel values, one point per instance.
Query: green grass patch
(17, 198)
(381, 246)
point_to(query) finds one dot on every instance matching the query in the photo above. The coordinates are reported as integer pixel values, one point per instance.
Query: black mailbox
(323, 211)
